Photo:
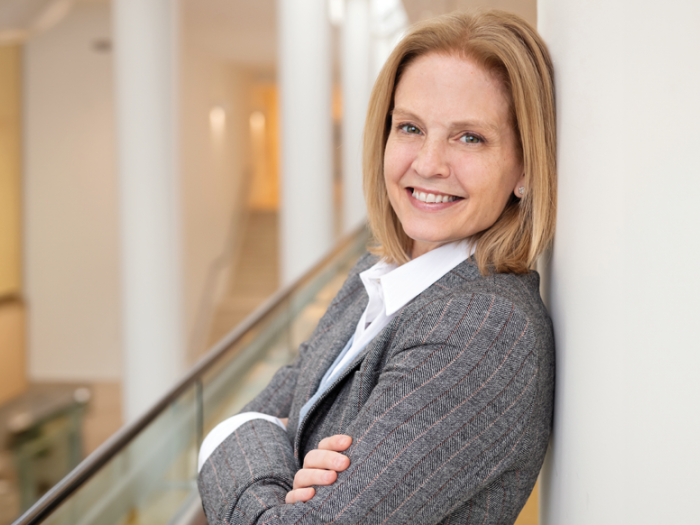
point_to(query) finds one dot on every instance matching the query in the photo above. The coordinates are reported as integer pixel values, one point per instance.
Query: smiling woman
(425, 393)
(490, 75)
(452, 159)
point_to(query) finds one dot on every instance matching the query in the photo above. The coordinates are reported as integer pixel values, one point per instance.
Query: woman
(425, 393)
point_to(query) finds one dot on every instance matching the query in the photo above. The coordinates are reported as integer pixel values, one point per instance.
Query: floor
(530, 513)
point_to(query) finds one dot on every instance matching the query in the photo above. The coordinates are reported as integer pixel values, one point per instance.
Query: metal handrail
(110, 448)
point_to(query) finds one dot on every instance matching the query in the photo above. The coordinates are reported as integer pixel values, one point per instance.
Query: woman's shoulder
(506, 293)
(366, 261)
(502, 312)
(521, 289)
(353, 284)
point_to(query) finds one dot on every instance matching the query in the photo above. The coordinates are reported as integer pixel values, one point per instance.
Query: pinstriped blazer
(449, 408)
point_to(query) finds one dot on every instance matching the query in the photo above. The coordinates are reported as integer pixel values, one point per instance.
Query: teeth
(432, 198)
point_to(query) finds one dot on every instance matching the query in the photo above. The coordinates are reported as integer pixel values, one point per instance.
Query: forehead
(450, 86)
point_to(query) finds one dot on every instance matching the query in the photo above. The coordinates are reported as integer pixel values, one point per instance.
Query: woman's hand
(321, 467)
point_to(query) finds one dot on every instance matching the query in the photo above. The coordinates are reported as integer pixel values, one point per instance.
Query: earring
(521, 190)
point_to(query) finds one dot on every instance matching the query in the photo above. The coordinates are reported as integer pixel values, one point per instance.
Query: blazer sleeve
(444, 419)
(276, 398)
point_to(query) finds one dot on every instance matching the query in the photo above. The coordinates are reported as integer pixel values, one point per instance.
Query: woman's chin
(423, 244)
(435, 236)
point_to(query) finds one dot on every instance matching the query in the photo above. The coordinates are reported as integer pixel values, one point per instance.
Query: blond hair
(508, 47)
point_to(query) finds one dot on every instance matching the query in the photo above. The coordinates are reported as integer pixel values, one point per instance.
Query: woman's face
(451, 160)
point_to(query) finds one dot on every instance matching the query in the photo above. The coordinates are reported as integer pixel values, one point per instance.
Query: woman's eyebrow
(475, 123)
(404, 113)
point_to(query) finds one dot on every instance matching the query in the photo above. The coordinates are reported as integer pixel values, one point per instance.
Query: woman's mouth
(431, 197)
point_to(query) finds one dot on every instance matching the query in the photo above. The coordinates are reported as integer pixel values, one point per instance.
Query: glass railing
(146, 473)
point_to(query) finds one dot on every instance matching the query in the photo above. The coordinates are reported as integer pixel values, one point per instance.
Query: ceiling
(19, 19)
(244, 31)
(421, 9)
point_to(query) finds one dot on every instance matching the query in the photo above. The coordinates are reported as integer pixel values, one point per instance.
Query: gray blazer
(449, 408)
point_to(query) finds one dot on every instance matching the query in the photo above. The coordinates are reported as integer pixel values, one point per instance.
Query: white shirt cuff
(225, 429)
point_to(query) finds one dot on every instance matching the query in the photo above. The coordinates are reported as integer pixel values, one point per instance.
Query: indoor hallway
(254, 274)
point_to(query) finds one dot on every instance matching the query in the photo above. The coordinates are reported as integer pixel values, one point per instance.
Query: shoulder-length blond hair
(507, 46)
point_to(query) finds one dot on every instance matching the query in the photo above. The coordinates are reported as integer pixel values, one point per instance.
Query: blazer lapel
(324, 350)
(350, 368)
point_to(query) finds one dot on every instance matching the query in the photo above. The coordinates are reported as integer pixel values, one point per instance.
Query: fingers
(299, 495)
(320, 468)
(311, 476)
(337, 443)
(326, 459)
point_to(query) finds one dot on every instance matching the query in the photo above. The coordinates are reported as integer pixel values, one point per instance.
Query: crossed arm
(444, 420)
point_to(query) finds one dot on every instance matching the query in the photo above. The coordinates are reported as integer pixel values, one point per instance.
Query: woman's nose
(431, 160)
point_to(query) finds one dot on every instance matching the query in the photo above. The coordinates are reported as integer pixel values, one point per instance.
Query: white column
(306, 228)
(357, 84)
(145, 36)
(388, 21)
(625, 282)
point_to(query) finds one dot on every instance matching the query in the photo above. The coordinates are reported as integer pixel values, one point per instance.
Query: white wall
(624, 274)
(70, 192)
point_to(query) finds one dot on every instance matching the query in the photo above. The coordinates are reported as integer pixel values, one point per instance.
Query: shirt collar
(401, 284)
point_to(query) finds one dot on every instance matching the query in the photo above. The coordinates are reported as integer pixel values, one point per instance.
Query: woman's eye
(409, 128)
(470, 139)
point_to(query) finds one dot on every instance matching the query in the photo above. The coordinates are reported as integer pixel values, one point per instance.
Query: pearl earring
(521, 190)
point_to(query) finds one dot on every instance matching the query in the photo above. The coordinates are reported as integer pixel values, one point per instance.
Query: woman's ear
(520, 187)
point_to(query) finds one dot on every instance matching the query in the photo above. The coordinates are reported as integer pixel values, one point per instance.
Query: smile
(433, 197)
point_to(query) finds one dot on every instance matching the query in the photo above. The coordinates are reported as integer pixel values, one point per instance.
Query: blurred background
(174, 174)
(165, 166)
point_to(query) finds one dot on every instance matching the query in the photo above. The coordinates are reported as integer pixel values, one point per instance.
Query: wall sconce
(257, 122)
(217, 119)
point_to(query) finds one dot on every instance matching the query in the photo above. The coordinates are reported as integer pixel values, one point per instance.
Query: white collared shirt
(389, 288)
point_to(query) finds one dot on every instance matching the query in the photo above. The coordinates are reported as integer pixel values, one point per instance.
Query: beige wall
(264, 185)
(10, 275)
(13, 379)
(71, 230)
(12, 336)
